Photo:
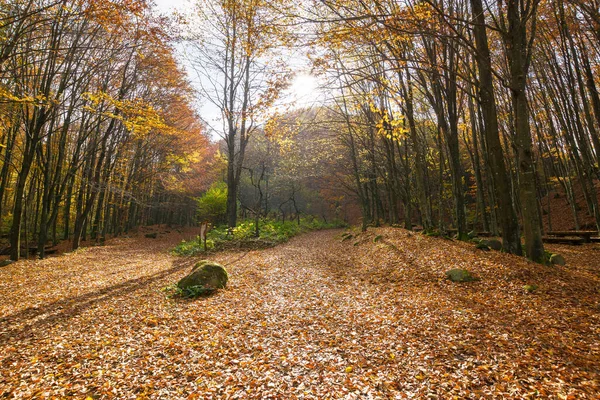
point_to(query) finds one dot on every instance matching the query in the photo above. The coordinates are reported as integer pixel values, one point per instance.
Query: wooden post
(203, 232)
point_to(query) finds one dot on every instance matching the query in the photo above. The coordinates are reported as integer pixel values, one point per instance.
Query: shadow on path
(20, 324)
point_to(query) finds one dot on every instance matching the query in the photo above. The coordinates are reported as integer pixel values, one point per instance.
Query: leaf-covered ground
(315, 318)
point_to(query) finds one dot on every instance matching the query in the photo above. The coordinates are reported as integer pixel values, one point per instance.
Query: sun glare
(303, 88)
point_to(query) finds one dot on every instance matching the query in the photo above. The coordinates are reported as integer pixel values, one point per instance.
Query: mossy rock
(482, 246)
(199, 264)
(460, 275)
(530, 288)
(493, 244)
(4, 263)
(207, 274)
(557, 259)
(152, 235)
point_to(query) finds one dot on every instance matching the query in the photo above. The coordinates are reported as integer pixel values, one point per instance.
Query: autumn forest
(315, 199)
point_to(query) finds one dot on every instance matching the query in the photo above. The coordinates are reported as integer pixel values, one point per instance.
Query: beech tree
(497, 104)
(98, 134)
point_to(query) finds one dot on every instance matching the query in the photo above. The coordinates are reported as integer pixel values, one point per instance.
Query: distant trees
(234, 52)
(96, 130)
(290, 168)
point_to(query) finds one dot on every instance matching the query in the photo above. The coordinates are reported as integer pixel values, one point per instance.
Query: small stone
(460, 275)
(557, 259)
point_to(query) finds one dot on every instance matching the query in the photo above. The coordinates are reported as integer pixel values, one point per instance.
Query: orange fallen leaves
(315, 318)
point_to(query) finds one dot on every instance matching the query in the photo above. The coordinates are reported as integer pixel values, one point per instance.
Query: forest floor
(314, 318)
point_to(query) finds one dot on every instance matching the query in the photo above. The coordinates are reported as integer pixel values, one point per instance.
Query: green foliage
(271, 233)
(6, 222)
(464, 237)
(191, 292)
(432, 233)
(213, 204)
(346, 236)
(377, 238)
(482, 246)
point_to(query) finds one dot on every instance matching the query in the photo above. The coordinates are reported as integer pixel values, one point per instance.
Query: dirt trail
(314, 318)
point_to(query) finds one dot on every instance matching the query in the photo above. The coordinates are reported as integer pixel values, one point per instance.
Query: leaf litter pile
(316, 318)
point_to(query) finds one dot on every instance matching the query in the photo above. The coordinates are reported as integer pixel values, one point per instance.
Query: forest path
(317, 317)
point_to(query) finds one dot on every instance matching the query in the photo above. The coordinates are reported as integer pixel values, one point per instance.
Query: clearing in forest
(314, 318)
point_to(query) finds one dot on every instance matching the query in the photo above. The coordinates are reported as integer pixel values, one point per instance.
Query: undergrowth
(191, 292)
(271, 233)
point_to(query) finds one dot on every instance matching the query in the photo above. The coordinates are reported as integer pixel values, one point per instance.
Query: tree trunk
(508, 218)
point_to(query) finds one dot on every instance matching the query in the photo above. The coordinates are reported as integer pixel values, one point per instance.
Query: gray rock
(206, 274)
(460, 275)
(557, 259)
(493, 244)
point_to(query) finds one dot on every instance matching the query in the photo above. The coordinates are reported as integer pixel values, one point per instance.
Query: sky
(303, 90)
(165, 6)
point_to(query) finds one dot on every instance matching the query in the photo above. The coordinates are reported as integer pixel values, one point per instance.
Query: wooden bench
(32, 251)
(563, 240)
(585, 235)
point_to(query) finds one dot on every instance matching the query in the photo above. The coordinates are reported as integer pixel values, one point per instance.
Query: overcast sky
(169, 5)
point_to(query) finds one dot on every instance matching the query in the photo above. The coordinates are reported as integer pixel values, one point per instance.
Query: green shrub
(271, 233)
(212, 205)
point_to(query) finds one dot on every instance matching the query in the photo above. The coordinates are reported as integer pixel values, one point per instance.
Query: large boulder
(557, 259)
(460, 275)
(206, 274)
(493, 244)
